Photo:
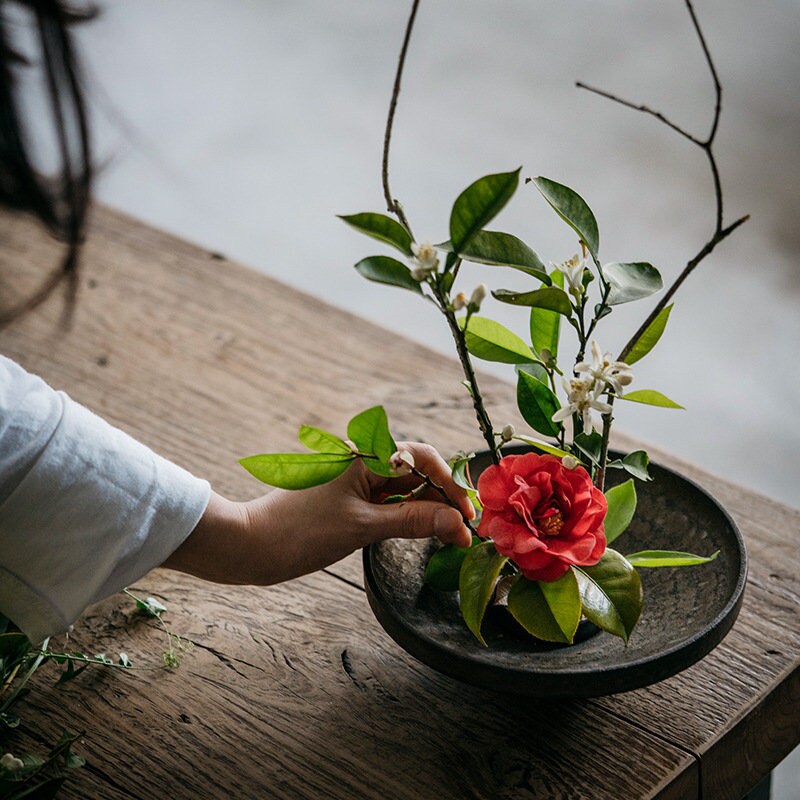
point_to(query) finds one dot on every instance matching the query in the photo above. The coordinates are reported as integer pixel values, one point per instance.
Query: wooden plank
(295, 692)
(206, 362)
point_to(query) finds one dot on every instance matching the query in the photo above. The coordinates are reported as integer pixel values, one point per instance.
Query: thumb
(422, 518)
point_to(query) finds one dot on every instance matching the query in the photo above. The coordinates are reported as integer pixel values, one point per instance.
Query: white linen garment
(85, 509)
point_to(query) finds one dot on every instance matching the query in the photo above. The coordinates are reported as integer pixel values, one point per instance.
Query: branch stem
(392, 205)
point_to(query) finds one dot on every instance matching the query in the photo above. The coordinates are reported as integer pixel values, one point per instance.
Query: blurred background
(247, 126)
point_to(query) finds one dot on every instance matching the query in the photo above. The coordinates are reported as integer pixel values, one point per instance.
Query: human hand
(285, 534)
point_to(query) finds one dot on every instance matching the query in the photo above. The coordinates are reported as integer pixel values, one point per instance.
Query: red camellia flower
(542, 515)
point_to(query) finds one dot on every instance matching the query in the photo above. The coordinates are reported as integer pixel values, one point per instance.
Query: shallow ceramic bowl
(687, 611)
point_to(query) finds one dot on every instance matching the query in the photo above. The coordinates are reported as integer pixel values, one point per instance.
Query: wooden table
(295, 691)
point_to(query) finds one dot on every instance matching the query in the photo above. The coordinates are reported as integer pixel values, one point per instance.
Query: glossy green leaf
(459, 467)
(621, 508)
(537, 404)
(479, 573)
(546, 325)
(321, 441)
(383, 269)
(650, 336)
(296, 470)
(590, 444)
(13, 646)
(478, 204)
(550, 297)
(383, 228)
(369, 431)
(668, 558)
(549, 611)
(535, 370)
(611, 594)
(545, 447)
(573, 209)
(443, 568)
(631, 281)
(636, 463)
(503, 250)
(492, 341)
(650, 397)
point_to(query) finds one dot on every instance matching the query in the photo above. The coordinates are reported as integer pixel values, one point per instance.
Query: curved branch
(392, 206)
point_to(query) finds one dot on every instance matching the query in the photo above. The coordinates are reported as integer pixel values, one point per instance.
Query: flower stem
(426, 480)
(484, 422)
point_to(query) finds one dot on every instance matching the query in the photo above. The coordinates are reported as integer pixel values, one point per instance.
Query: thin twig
(720, 231)
(427, 481)
(392, 206)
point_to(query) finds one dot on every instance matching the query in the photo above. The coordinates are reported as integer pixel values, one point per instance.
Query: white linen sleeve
(85, 509)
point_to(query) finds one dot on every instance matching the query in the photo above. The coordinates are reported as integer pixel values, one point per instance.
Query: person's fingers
(429, 462)
(419, 519)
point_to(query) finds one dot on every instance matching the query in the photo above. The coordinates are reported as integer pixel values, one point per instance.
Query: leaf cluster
(608, 594)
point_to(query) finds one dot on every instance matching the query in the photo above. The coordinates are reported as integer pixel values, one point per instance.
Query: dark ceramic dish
(687, 611)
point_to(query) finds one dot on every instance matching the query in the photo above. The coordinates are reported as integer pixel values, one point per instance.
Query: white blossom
(570, 462)
(424, 261)
(605, 372)
(583, 395)
(402, 462)
(573, 273)
(11, 763)
(507, 434)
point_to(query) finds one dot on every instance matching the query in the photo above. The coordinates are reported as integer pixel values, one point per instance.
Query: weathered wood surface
(295, 691)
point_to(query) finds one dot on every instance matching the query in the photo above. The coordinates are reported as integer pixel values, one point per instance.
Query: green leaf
(321, 441)
(479, 573)
(383, 269)
(573, 209)
(590, 444)
(631, 281)
(551, 298)
(537, 404)
(459, 466)
(636, 464)
(549, 611)
(151, 606)
(546, 325)
(383, 228)
(545, 447)
(621, 508)
(492, 341)
(650, 336)
(478, 204)
(611, 594)
(296, 470)
(443, 568)
(502, 250)
(668, 558)
(13, 646)
(369, 431)
(650, 397)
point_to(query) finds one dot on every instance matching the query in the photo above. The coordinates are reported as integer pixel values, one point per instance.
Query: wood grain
(295, 691)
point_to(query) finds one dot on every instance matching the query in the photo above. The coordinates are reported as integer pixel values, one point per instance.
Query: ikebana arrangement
(545, 520)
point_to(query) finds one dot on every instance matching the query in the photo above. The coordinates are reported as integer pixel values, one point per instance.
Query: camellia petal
(542, 515)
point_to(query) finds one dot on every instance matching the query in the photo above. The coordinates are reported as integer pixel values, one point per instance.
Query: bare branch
(392, 206)
(643, 108)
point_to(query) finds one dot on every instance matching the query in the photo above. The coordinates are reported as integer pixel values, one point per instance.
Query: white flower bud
(570, 462)
(460, 302)
(11, 763)
(507, 434)
(402, 462)
(478, 296)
